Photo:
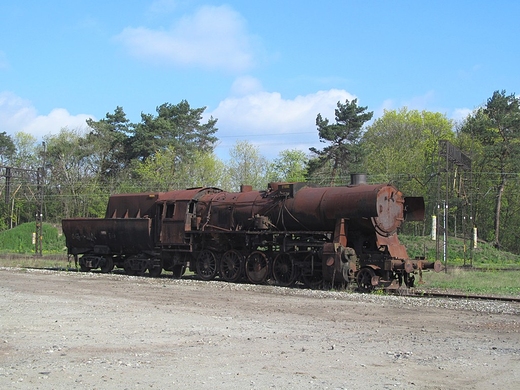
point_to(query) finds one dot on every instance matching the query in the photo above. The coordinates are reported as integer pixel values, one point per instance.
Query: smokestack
(358, 178)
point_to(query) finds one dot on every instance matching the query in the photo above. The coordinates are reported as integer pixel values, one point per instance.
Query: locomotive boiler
(290, 232)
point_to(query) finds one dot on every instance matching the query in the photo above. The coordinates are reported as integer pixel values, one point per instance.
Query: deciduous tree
(496, 126)
(247, 166)
(402, 147)
(289, 166)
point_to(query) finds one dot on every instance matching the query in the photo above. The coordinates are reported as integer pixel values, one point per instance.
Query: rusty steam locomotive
(287, 233)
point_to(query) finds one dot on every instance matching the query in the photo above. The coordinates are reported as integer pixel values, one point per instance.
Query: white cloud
(213, 38)
(246, 85)
(459, 114)
(273, 123)
(419, 103)
(17, 114)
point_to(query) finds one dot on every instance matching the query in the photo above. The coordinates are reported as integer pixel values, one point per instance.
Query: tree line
(174, 148)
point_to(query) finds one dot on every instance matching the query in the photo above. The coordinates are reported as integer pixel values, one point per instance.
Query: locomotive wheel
(206, 265)
(257, 267)
(364, 280)
(231, 265)
(284, 271)
(409, 280)
(128, 270)
(108, 266)
(312, 278)
(84, 268)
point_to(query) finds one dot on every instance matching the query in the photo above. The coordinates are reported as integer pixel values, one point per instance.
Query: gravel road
(68, 330)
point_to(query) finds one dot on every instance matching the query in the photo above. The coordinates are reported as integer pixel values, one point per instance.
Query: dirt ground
(68, 330)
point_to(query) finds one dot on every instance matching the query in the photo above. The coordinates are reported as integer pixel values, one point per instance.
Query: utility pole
(11, 173)
(455, 161)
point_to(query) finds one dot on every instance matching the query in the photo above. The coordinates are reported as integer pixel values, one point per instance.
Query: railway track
(435, 294)
(405, 292)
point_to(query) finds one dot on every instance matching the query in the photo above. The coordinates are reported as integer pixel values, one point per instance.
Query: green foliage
(164, 171)
(495, 129)
(344, 152)
(109, 139)
(247, 166)
(403, 149)
(26, 155)
(175, 126)
(506, 283)
(403, 146)
(19, 239)
(289, 166)
(70, 176)
(7, 148)
(4, 212)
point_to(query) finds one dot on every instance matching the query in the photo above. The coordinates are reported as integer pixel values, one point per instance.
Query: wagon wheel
(284, 271)
(178, 270)
(364, 280)
(206, 265)
(108, 265)
(257, 267)
(135, 266)
(312, 274)
(84, 268)
(231, 265)
(155, 271)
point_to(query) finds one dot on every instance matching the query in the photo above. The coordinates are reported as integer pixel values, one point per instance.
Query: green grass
(486, 276)
(474, 282)
(460, 253)
(19, 240)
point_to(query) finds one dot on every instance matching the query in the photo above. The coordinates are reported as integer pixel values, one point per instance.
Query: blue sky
(264, 69)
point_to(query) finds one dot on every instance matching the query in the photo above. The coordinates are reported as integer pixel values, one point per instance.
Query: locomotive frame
(290, 232)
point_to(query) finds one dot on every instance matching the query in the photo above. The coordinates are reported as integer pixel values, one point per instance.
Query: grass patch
(475, 282)
(32, 261)
(460, 253)
(19, 239)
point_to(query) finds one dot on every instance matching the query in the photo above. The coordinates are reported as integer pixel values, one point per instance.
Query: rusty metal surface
(320, 208)
(177, 214)
(414, 208)
(189, 194)
(395, 248)
(309, 209)
(131, 205)
(119, 235)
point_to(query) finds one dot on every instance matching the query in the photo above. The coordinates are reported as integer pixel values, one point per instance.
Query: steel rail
(431, 294)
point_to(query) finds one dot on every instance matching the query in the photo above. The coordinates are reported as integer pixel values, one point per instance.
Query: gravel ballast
(69, 330)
